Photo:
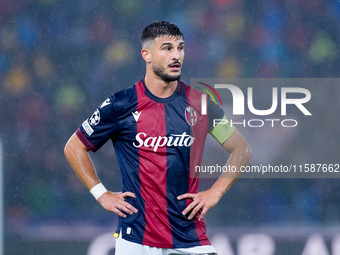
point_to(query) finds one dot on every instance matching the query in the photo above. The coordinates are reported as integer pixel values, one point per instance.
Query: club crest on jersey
(190, 116)
(95, 118)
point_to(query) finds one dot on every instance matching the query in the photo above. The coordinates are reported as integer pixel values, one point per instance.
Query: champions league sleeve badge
(95, 118)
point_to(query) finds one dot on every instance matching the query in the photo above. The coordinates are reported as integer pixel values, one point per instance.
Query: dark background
(60, 59)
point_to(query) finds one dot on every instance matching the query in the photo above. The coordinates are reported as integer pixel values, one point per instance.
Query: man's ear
(146, 55)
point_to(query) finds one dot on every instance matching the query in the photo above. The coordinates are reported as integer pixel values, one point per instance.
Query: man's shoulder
(194, 95)
(190, 89)
(124, 98)
(125, 93)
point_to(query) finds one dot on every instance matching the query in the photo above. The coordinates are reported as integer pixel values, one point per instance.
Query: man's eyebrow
(166, 44)
(170, 44)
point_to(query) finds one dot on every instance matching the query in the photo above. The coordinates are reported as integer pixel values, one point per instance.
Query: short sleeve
(214, 112)
(219, 126)
(100, 127)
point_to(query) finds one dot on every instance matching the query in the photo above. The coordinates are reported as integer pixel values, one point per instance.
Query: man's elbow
(247, 153)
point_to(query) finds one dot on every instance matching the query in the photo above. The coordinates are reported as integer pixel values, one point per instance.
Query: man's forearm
(239, 157)
(79, 159)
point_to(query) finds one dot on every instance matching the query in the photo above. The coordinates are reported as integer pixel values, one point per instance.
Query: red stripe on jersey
(194, 100)
(152, 171)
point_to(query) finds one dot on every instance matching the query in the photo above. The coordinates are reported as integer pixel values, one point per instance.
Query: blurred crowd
(60, 59)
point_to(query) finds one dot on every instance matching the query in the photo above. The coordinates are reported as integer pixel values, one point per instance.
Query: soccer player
(158, 133)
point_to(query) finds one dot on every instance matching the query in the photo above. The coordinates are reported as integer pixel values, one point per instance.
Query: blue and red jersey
(158, 142)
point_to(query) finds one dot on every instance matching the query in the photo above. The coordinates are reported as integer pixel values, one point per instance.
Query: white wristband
(98, 190)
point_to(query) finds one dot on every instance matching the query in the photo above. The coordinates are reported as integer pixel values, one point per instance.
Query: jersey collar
(161, 99)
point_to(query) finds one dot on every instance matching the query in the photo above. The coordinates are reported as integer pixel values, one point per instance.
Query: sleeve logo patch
(95, 118)
(105, 103)
(88, 129)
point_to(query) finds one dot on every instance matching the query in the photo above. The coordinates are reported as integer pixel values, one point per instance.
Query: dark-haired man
(158, 134)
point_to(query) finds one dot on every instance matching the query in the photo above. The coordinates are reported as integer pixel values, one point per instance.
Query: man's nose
(176, 55)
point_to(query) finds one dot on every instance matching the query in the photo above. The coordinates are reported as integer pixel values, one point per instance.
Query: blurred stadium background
(60, 59)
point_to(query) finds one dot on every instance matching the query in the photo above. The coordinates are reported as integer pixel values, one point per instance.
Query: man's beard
(160, 71)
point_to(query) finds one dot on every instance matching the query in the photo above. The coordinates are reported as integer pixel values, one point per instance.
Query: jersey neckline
(161, 99)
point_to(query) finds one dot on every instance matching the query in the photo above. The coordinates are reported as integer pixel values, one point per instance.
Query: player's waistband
(214, 253)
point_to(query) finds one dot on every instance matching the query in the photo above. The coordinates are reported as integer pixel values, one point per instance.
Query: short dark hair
(159, 28)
